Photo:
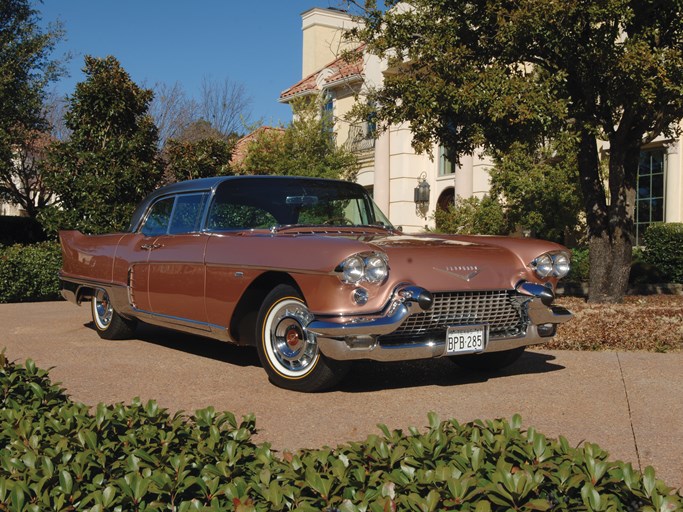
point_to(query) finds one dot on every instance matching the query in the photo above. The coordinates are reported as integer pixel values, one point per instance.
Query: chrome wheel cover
(291, 349)
(103, 311)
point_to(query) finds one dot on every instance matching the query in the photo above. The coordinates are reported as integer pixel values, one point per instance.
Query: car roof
(203, 185)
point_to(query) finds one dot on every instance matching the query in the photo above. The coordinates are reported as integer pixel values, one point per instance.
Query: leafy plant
(29, 272)
(472, 216)
(305, 147)
(110, 162)
(61, 455)
(664, 249)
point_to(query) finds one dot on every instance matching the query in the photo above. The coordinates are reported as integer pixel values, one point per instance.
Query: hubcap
(293, 347)
(103, 309)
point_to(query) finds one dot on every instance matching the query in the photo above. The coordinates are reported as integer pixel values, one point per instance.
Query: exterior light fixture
(422, 192)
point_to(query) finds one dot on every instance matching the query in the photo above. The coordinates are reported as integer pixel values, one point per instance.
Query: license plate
(466, 339)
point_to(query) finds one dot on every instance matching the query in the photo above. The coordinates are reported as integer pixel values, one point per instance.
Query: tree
(225, 105)
(306, 147)
(198, 159)
(172, 111)
(540, 189)
(25, 71)
(25, 185)
(110, 162)
(492, 72)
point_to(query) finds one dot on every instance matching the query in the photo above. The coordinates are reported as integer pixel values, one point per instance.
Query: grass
(652, 323)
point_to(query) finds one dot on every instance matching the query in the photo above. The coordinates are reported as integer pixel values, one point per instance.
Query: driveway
(631, 404)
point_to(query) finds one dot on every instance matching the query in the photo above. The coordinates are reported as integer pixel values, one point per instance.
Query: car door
(176, 265)
(134, 249)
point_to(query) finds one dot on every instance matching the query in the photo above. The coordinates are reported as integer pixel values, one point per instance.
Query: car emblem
(464, 272)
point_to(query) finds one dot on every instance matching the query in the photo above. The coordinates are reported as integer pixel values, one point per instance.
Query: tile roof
(342, 68)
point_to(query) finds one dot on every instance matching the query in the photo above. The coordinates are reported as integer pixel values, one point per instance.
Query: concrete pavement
(629, 403)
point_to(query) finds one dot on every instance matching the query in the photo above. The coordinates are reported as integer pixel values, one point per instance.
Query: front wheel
(108, 323)
(488, 361)
(288, 352)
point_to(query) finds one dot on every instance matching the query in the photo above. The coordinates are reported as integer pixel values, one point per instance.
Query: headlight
(352, 270)
(560, 264)
(371, 267)
(376, 269)
(551, 264)
(543, 265)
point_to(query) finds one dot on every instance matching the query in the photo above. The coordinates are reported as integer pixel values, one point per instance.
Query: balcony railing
(361, 138)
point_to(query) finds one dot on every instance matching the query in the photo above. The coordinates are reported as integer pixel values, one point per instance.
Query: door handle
(150, 247)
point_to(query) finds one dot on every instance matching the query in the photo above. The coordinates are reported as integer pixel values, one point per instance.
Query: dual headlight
(371, 267)
(551, 265)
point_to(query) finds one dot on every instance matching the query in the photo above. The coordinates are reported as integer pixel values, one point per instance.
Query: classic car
(311, 273)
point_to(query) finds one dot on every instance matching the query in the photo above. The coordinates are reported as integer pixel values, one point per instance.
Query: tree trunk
(610, 226)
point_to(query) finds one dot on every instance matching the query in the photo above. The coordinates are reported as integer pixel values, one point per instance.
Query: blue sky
(256, 43)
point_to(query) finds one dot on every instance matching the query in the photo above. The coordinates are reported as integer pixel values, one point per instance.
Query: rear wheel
(488, 361)
(288, 352)
(108, 323)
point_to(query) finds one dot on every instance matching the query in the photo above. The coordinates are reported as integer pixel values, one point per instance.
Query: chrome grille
(495, 308)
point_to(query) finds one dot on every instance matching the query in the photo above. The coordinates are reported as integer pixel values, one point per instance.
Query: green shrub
(642, 271)
(60, 455)
(580, 266)
(472, 216)
(664, 249)
(29, 272)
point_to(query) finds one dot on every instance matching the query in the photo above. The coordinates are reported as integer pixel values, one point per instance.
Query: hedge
(29, 272)
(664, 249)
(61, 455)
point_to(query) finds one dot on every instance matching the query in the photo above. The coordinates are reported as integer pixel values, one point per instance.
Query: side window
(187, 214)
(158, 218)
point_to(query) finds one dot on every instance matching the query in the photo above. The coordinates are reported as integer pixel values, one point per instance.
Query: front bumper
(352, 337)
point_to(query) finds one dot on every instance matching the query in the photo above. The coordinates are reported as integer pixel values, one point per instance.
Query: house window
(446, 163)
(650, 194)
(327, 115)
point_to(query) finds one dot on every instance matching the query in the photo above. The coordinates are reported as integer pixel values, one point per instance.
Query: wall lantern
(422, 192)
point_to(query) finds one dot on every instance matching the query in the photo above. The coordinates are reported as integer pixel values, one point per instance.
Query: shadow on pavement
(195, 345)
(364, 376)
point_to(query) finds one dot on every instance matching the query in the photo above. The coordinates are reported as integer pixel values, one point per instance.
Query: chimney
(322, 37)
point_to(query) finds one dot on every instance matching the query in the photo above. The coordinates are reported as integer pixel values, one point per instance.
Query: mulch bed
(643, 322)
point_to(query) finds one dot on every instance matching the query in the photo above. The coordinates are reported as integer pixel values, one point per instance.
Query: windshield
(254, 203)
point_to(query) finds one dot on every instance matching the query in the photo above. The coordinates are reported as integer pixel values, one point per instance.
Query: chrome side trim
(184, 324)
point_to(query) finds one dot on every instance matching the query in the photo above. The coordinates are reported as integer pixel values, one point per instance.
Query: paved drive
(631, 404)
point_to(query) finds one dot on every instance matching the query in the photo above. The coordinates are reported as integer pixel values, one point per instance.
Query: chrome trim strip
(405, 301)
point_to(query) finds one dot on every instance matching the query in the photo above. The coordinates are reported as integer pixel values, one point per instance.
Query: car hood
(441, 264)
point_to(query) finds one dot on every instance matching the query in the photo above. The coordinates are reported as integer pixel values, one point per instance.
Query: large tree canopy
(493, 72)
(110, 162)
(25, 70)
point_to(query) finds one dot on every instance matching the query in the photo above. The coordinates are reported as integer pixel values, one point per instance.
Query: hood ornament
(464, 272)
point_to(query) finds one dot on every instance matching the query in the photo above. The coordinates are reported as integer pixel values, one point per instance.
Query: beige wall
(322, 38)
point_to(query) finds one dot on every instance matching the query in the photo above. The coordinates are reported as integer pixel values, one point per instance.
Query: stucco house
(391, 170)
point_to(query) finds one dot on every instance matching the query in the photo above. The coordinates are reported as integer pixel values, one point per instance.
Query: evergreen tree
(110, 162)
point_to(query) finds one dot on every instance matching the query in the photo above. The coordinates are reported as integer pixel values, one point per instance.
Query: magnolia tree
(492, 73)
(110, 161)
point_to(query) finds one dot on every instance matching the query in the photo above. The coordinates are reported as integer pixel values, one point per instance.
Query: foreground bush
(29, 272)
(59, 455)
